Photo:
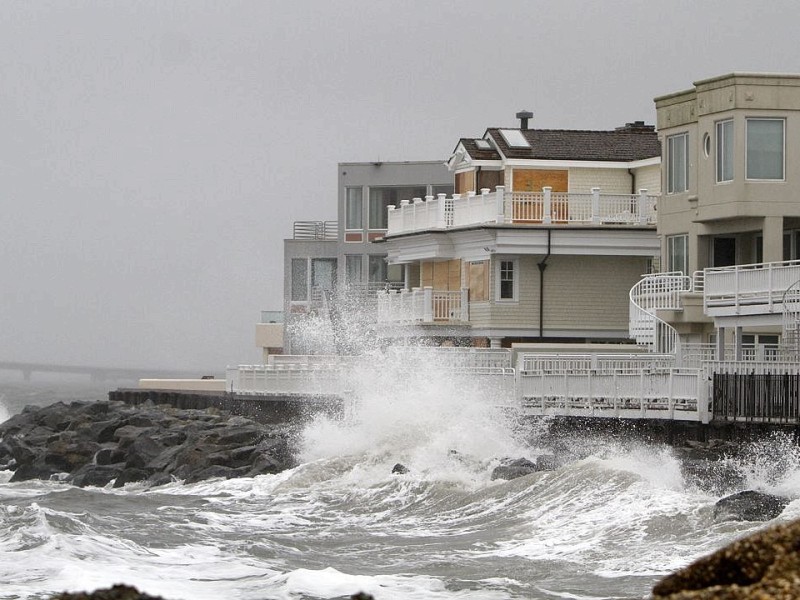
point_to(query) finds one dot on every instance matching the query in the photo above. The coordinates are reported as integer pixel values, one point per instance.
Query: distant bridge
(98, 373)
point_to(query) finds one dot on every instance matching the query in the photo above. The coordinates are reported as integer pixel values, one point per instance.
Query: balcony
(423, 306)
(524, 208)
(315, 230)
(755, 289)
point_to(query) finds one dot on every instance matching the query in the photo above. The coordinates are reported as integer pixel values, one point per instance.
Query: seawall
(270, 409)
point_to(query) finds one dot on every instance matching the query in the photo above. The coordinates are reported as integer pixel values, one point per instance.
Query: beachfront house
(728, 223)
(542, 239)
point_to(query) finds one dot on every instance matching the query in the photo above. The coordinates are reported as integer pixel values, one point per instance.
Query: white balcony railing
(423, 306)
(748, 289)
(501, 206)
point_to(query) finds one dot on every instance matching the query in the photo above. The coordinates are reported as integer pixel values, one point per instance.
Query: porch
(423, 305)
(507, 207)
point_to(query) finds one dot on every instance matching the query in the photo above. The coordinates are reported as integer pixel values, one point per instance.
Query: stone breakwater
(97, 443)
(765, 565)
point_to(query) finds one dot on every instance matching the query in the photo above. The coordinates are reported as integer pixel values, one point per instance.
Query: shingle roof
(569, 144)
(479, 153)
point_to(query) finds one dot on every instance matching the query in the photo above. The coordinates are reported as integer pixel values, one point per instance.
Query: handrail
(660, 291)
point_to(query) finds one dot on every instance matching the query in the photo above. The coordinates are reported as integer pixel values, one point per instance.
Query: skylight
(514, 138)
(483, 144)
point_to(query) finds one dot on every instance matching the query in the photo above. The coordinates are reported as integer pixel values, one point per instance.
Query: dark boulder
(95, 475)
(513, 469)
(399, 469)
(117, 592)
(749, 505)
(131, 475)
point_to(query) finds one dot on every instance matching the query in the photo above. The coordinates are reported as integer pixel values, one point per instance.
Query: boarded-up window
(442, 276)
(533, 180)
(479, 281)
(465, 182)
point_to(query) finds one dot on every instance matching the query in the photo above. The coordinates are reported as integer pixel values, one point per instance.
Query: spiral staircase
(659, 291)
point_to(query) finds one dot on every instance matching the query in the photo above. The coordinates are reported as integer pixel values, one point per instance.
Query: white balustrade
(748, 289)
(501, 206)
(424, 305)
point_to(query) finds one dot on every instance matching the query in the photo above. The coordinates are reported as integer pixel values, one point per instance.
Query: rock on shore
(95, 443)
(764, 565)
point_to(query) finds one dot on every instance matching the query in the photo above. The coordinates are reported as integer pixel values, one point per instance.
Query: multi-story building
(545, 234)
(341, 257)
(729, 219)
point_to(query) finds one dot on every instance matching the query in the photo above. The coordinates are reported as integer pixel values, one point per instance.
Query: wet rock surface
(117, 592)
(95, 443)
(764, 565)
(749, 505)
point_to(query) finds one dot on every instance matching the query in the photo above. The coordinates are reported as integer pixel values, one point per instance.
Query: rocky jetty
(764, 565)
(126, 592)
(96, 443)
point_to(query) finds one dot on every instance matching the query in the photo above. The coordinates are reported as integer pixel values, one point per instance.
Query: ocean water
(609, 523)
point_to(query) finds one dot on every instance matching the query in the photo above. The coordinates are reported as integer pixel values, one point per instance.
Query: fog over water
(154, 154)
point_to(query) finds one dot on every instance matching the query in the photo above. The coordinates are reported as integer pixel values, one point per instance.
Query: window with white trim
(352, 267)
(765, 149)
(678, 253)
(507, 280)
(724, 150)
(677, 163)
(353, 208)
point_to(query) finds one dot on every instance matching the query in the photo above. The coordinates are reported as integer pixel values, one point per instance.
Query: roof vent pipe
(523, 117)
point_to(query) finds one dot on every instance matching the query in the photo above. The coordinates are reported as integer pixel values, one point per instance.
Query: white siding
(648, 178)
(610, 181)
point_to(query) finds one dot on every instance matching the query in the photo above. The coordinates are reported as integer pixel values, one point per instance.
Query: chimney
(523, 117)
(637, 127)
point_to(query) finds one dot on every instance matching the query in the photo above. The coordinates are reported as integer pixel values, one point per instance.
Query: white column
(595, 205)
(465, 304)
(427, 306)
(643, 206)
(500, 204)
(737, 343)
(546, 209)
(495, 342)
(441, 217)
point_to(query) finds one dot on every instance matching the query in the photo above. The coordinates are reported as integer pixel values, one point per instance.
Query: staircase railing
(659, 291)
(791, 322)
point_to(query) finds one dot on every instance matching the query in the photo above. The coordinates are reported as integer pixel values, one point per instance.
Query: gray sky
(154, 154)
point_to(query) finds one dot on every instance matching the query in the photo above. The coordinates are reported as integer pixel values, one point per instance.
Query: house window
(380, 198)
(677, 163)
(353, 208)
(765, 149)
(323, 273)
(377, 269)
(677, 253)
(507, 280)
(352, 267)
(299, 279)
(725, 150)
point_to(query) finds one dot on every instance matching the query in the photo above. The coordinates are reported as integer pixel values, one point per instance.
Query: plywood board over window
(533, 180)
(479, 281)
(442, 276)
(465, 182)
(531, 209)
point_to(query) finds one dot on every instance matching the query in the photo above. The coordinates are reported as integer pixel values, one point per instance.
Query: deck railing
(748, 289)
(507, 207)
(316, 230)
(424, 305)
